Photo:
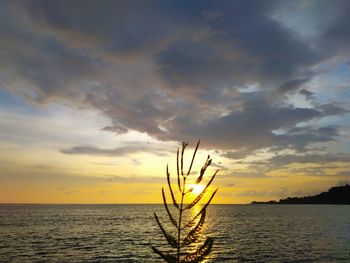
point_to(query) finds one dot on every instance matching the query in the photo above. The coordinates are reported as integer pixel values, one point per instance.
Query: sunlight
(197, 188)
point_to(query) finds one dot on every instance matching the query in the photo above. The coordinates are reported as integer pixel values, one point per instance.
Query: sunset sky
(96, 96)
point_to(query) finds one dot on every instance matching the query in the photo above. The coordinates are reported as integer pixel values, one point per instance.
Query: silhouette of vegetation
(339, 195)
(193, 227)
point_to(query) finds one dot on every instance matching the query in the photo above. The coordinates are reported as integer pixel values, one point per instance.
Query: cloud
(219, 166)
(280, 193)
(236, 49)
(308, 94)
(239, 154)
(332, 109)
(344, 173)
(310, 171)
(135, 179)
(245, 174)
(251, 127)
(173, 70)
(282, 160)
(336, 36)
(119, 151)
(292, 85)
(63, 178)
(57, 177)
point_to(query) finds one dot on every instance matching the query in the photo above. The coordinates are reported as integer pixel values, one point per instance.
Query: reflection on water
(124, 233)
(195, 210)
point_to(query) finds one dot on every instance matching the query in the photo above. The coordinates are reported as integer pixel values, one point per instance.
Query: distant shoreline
(338, 195)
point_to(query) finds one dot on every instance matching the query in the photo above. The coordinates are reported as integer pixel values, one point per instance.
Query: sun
(197, 188)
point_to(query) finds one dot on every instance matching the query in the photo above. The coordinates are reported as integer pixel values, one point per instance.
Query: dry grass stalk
(194, 226)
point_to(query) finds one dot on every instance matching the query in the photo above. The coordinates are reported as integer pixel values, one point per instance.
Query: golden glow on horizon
(61, 178)
(40, 173)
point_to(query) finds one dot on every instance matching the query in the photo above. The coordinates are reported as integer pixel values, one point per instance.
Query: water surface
(124, 233)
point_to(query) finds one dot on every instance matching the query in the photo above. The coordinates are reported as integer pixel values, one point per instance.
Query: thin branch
(184, 145)
(171, 240)
(203, 251)
(172, 220)
(171, 190)
(205, 166)
(194, 154)
(177, 168)
(194, 234)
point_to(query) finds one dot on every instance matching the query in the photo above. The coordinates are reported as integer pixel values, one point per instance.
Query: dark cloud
(332, 109)
(116, 129)
(307, 164)
(251, 127)
(239, 154)
(236, 49)
(197, 65)
(336, 37)
(292, 85)
(308, 94)
(44, 64)
(116, 26)
(172, 69)
(299, 138)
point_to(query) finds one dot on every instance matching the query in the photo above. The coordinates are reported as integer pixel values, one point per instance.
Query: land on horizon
(337, 195)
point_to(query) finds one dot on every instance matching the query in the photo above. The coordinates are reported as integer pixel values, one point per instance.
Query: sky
(96, 97)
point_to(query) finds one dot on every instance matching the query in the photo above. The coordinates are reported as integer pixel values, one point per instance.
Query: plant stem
(180, 219)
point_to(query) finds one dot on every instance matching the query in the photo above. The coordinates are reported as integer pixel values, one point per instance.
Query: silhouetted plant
(194, 226)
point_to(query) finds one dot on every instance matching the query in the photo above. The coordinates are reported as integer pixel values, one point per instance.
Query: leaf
(199, 197)
(171, 190)
(184, 145)
(205, 166)
(194, 155)
(177, 169)
(173, 221)
(168, 258)
(171, 240)
(191, 222)
(194, 234)
(201, 253)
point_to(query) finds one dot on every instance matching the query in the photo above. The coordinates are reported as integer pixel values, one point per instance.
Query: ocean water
(124, 233)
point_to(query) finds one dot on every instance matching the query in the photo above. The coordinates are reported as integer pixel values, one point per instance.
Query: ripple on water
(124, 233)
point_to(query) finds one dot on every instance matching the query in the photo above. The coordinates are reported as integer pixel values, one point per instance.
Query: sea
(125, 233)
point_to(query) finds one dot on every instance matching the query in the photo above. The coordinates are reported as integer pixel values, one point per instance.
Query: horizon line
(106, 203)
